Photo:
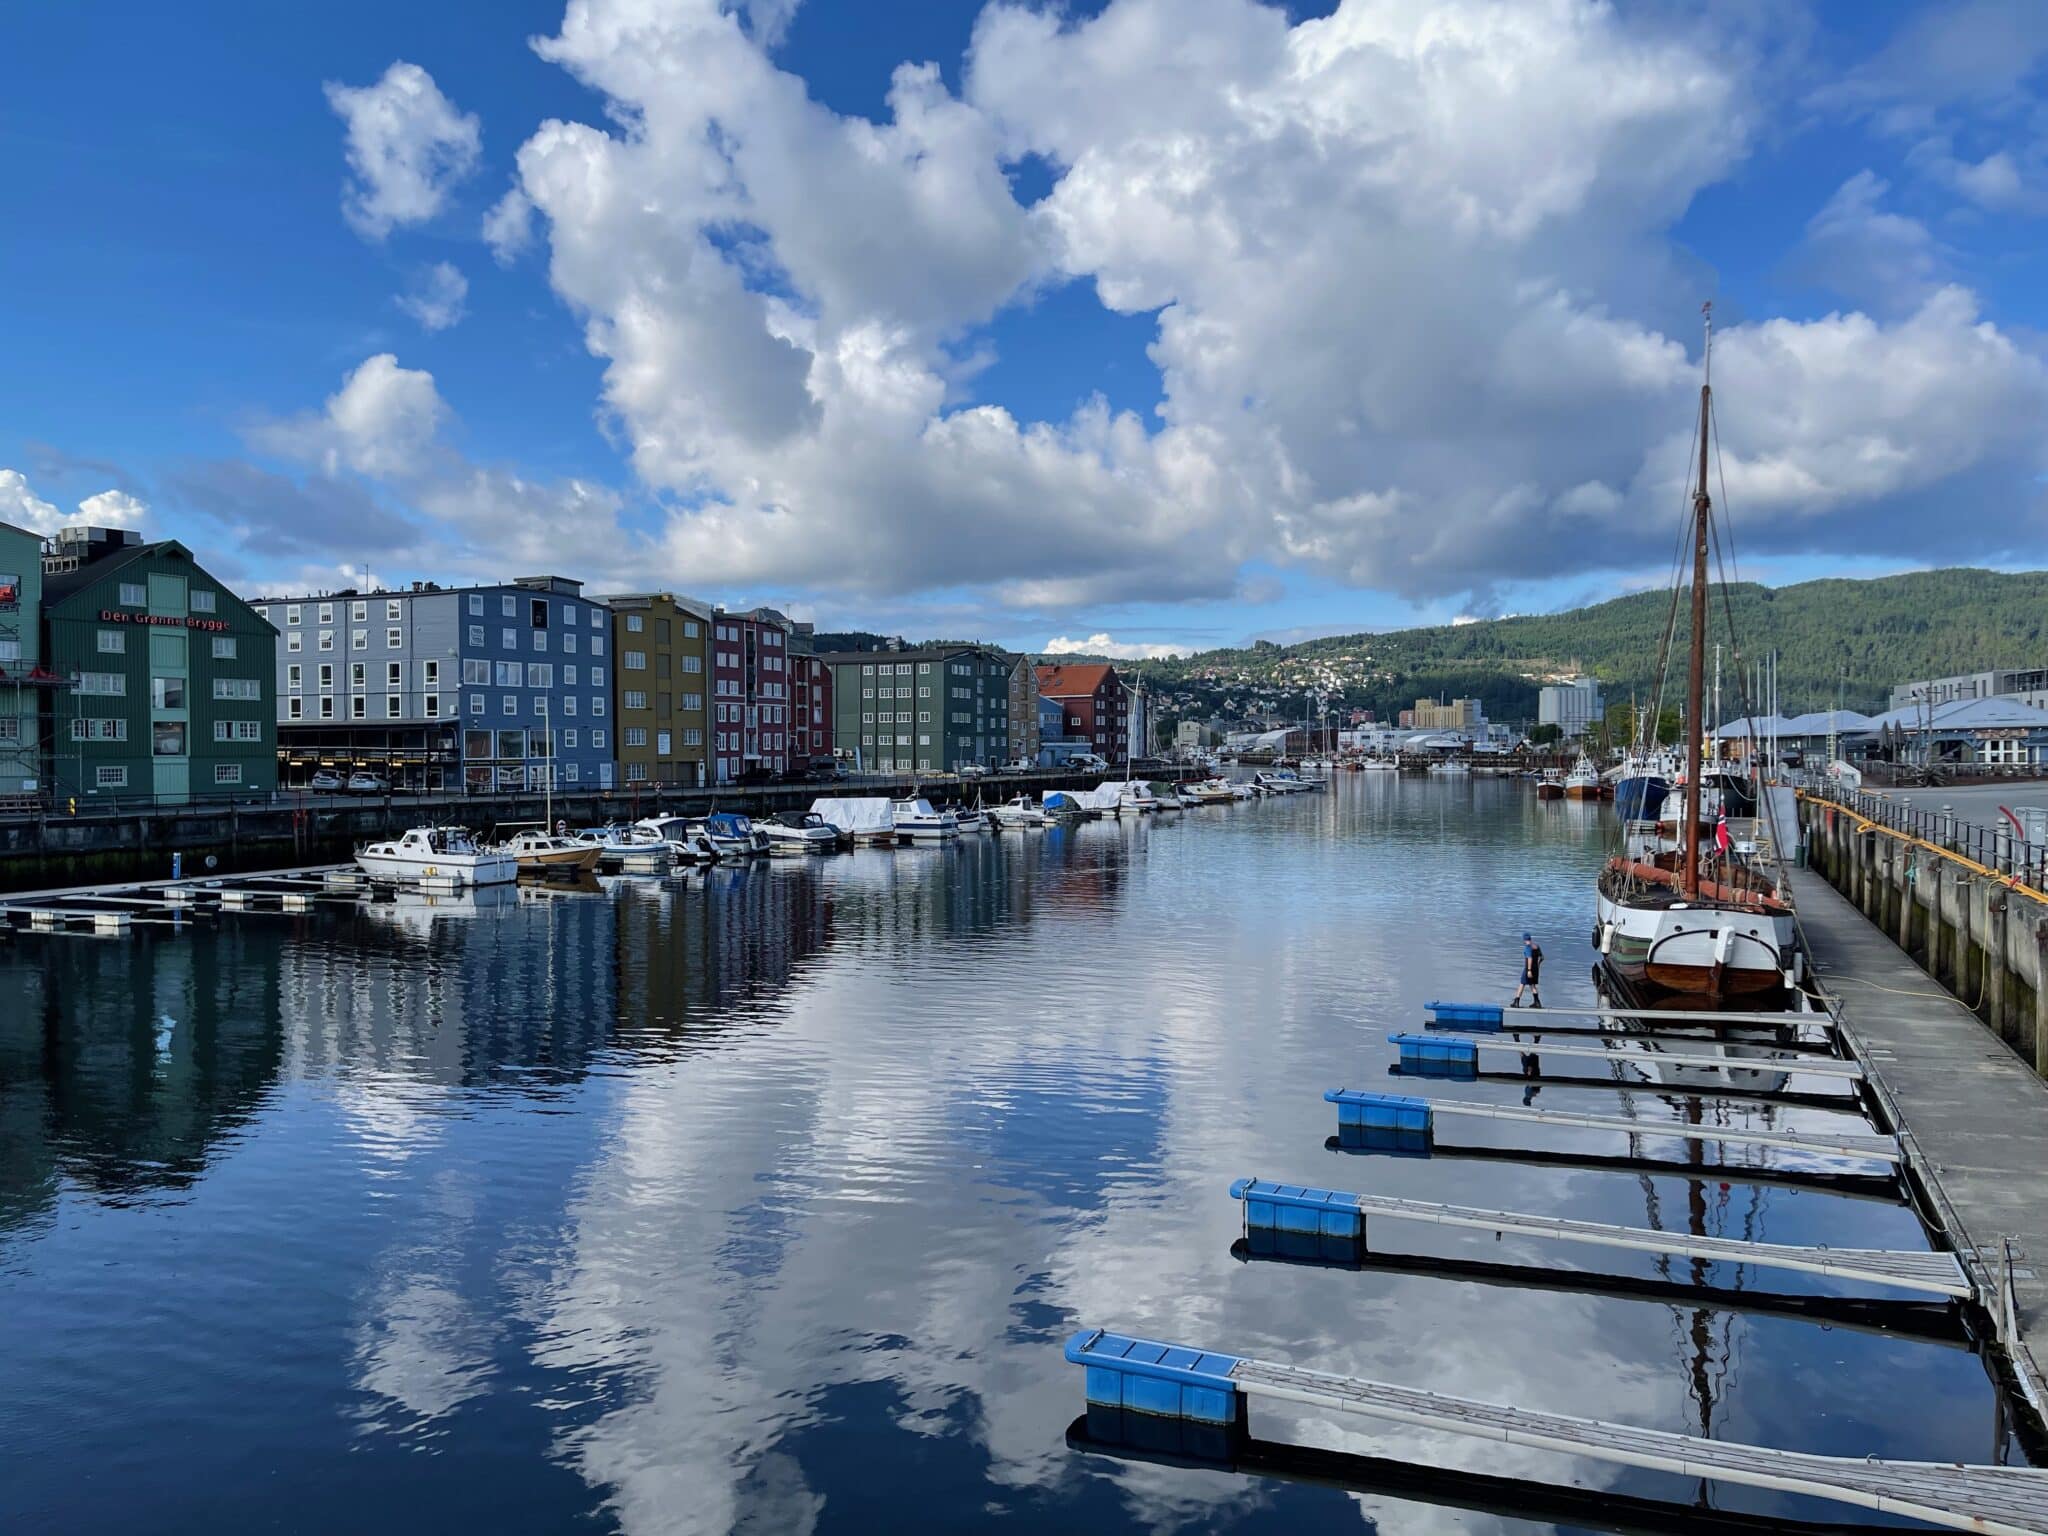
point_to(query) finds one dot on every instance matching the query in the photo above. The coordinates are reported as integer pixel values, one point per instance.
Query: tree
(1545, 735)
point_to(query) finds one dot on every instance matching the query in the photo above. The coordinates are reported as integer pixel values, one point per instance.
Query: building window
(295, 709)
(238, 730)
(356, 711)
(393, 705)
(572, 772)
(393, 639)
(540, 675)
(633, 661)
(359, 640)
(293, 641)
(476, 605)
(664, 743)
(597, 704)
(509, 639)
(294, 677)
(597, 738)
(476, 703)
(597, 645)
(509, 705)
(393, 609)
(692, 737)
(430, 674)
(292, 613)
(476, 636)
(326, 639)
(635, 624)
(169, 736)
(357, 675)
(327, 613)
(538, 614)
(327, 707)
(394, 674)
(238, 688)
(358, 612)
(540, 640)
(569, 739)
(113, 642)
(223, 647)
(227, 773)
(106, 685)
(134, 594)
(634, 736)
(433, 702)
(99, 730)
(569, 642)
(634, 700)
(693, 703)
(540, 705)
(509, 605)
(109, 777)
(569, 705)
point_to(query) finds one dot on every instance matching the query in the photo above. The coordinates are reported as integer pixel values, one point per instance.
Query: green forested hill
(1846, 639)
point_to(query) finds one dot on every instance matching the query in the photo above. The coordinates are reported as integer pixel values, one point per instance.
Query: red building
(1095, 704)
(771, 700)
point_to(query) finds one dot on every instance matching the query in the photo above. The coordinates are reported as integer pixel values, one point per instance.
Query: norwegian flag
(1721, 838)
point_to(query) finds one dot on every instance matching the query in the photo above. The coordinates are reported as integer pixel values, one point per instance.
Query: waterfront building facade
(26, 685)
(175, 676)
(431, 688)
(1095, 706)
(663, 685)
(1024, 703)
(770, 710)
(929, 709)
(1457, 715)
(2023, 685)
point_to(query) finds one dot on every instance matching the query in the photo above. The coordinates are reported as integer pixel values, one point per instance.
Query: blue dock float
(1299, 1208)
(1383, 1122)
(1194, 1390)
(1472, 1015)
(1437, 1055)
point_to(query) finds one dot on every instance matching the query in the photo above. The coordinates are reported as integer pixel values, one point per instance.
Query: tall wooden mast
(1696, 664)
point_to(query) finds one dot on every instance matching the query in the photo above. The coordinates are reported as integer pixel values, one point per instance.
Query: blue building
(431, 688)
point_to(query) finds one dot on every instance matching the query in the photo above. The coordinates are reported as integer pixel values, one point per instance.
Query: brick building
(1095, 703)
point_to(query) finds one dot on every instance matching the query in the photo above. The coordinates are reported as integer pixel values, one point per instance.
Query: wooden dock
(1306, 1208)
(1170, 1382)
(1972, 1115)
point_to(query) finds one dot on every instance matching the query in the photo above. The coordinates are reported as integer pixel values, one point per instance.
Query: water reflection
(761, 1199)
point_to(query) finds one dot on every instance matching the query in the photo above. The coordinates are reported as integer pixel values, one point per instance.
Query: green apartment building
(176, 678)
(23, 683)
(929, 710)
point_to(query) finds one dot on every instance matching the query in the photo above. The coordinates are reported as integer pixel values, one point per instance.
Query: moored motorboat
(803, 832)
(1022, 811)
(1209, 792)
(732, 835)
(542, 853)
(1166, 797)
(438, 854)
(632, 850)
(1551, 785)
(917, 820)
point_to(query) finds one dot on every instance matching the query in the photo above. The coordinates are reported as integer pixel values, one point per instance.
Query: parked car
(825, 771)
(368, 784)
(972, 771)
(325, 782)
(752, 776)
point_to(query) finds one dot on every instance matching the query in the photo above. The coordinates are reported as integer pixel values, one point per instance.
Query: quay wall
(54, 849)
(1974, 924)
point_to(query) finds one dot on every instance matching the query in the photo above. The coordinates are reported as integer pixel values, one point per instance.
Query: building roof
(1964, 715)
(910, 653)
(1059, 681)
(60, 585)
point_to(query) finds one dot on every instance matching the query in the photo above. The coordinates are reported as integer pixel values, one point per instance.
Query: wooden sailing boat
(1696, 921)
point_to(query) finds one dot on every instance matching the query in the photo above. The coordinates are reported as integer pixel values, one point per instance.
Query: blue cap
(1525, 938)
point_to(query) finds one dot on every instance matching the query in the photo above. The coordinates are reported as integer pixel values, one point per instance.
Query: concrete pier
(1971, 1111)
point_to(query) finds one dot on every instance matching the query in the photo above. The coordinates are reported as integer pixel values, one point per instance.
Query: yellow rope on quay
(2010, 882)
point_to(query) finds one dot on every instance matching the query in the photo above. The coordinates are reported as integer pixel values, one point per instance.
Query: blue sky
(1172, 325)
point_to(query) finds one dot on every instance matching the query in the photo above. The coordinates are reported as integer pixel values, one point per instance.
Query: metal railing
(1994, 848)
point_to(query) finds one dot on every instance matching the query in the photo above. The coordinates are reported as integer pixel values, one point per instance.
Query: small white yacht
(801, 832)
(1023, 811)
(1136, 799)
(731, 835)
(1167, 797)
(438, 854)
(634, 850)
(971, 818)
(1281, 781)
(1209, 792)
(1454, 766)
(916, 820)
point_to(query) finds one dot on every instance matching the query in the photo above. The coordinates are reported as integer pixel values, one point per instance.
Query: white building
(1572, 706)
(2024, 685)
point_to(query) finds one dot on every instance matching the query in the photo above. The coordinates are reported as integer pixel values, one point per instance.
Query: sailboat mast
(1695, 672)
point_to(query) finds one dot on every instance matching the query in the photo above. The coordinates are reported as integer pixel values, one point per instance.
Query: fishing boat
(439, 854)
(1583, 782)
(542, 853)
(1697, 920)
(803, 832)
(916, 820)
(1022, 811)
(1640, 788)
(1551, 785)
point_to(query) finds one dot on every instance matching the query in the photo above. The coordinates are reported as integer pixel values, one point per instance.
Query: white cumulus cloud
(1107, 645)
(21, 506)
(406, 145)
(436, 296)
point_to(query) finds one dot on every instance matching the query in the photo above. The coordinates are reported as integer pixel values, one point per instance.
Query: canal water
(765, 1200)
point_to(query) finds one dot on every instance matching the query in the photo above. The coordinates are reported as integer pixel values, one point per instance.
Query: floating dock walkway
(1406, 1114)
(1340, 1213)
(1212, 1391)
(1494, 1016)
(1422, 1052)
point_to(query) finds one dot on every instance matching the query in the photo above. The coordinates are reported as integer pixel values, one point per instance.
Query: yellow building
(1459, 714)
(660, 678)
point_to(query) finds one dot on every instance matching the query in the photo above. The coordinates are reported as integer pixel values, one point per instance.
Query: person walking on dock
(1532, 974)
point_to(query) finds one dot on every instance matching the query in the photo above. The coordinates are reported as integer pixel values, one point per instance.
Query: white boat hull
(460, 868)
(1697, 950)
